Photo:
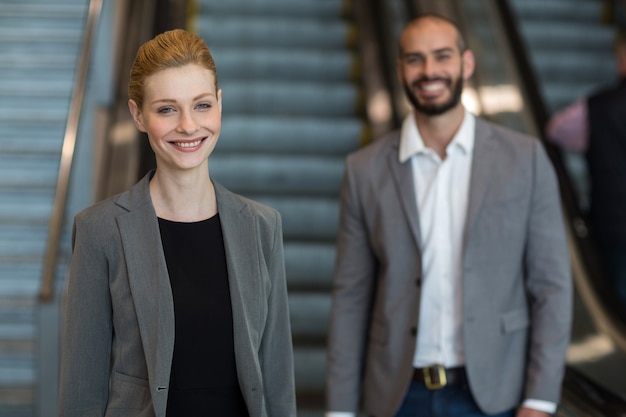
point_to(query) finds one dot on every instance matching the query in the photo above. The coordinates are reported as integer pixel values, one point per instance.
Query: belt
(436, 376)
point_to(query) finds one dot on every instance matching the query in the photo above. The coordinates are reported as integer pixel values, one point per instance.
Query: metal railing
(591, 280)
(46, 293)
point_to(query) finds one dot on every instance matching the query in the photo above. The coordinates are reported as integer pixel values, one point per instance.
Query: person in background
(176, 300)
(452, 291)
(596, 127)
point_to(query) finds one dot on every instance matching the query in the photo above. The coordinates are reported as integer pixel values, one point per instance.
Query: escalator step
(295, 99)
(280, 134)
(285, 64)
(274, 8)
(271, 174)
(279, 32)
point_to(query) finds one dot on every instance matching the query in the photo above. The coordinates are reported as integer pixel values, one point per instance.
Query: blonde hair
(171, 49)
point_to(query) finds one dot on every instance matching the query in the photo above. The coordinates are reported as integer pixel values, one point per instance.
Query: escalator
(39, 46)
(598, 347)
(295, 102)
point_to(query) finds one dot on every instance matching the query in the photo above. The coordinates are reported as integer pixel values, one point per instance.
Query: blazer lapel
(403, 178)
(243, 263)
(481, 174)
(149, 282)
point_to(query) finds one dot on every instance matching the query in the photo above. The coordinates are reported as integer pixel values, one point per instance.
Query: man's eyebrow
(446, 49)
(412, 54)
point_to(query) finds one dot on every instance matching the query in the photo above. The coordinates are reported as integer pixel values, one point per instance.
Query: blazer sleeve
(276, 351)
(87, 327)
(353, 288)
(548, 283)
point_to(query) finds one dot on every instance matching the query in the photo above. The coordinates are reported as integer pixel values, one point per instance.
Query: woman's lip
(188, 143)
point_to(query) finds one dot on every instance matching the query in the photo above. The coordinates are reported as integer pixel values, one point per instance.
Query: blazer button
(413, 331)
(418, 281)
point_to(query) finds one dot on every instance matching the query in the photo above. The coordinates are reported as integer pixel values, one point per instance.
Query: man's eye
(411, 60)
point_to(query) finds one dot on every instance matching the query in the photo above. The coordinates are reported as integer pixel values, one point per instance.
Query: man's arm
(352, 294)
(531, 412)
(548, 283)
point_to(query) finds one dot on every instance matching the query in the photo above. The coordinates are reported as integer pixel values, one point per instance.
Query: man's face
(431, 67)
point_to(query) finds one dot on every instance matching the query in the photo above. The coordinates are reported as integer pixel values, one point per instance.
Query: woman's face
(181, 114)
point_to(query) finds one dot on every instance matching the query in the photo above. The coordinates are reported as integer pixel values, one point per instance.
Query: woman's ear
(135, 112)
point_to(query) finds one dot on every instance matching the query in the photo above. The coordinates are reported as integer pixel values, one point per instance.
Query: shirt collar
(411, 142)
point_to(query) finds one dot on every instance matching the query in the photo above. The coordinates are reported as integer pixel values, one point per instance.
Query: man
(596, 126)
(452, 288)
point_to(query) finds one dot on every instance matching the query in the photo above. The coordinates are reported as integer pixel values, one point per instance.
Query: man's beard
(435, 109)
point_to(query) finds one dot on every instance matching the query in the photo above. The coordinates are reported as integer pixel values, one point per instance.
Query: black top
(606, 157)
(203, 379)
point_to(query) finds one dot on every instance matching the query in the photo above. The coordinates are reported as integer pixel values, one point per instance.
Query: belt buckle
(435, 377)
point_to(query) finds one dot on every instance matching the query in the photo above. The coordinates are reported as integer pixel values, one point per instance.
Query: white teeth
(432, 87)
(188, 144)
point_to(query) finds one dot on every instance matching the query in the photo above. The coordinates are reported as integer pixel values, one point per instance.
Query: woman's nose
(186, 123)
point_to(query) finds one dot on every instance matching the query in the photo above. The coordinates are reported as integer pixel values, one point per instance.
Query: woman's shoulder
(106, 210)
(100, 215)
(227, 198)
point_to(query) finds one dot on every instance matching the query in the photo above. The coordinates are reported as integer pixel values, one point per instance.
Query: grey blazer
(516, 278)
(118, 336)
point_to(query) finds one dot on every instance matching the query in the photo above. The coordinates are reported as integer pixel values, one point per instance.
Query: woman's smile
(188, 145)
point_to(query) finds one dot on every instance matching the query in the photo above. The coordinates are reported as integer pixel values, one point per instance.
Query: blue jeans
(449, 401)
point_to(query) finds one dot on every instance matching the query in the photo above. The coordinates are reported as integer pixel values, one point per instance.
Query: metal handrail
(46, 293)
(594, 294)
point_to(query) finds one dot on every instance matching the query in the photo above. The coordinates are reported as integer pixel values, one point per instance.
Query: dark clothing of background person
(606, 159)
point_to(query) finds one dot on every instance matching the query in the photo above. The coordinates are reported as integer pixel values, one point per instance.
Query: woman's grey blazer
(118, 335)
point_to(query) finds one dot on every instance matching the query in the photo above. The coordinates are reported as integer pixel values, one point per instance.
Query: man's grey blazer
(119, 318)
(517, 287)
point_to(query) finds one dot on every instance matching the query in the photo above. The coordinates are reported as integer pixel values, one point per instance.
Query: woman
(177, 300)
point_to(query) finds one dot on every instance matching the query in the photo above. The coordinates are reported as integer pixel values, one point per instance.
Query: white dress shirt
(442, 193)
(441, 190)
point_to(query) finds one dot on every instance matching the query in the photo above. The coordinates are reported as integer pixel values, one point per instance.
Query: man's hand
(529, 412)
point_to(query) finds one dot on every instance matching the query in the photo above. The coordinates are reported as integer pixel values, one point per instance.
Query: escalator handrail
(595, 292)
(46, 292)
(596, 398)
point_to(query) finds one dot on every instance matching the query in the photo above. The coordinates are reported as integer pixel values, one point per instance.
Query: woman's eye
(204, 106)
(165, 110)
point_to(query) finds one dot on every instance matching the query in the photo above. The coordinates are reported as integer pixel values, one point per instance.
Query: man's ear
(469, 64)
(137, 116)
(399, 72)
